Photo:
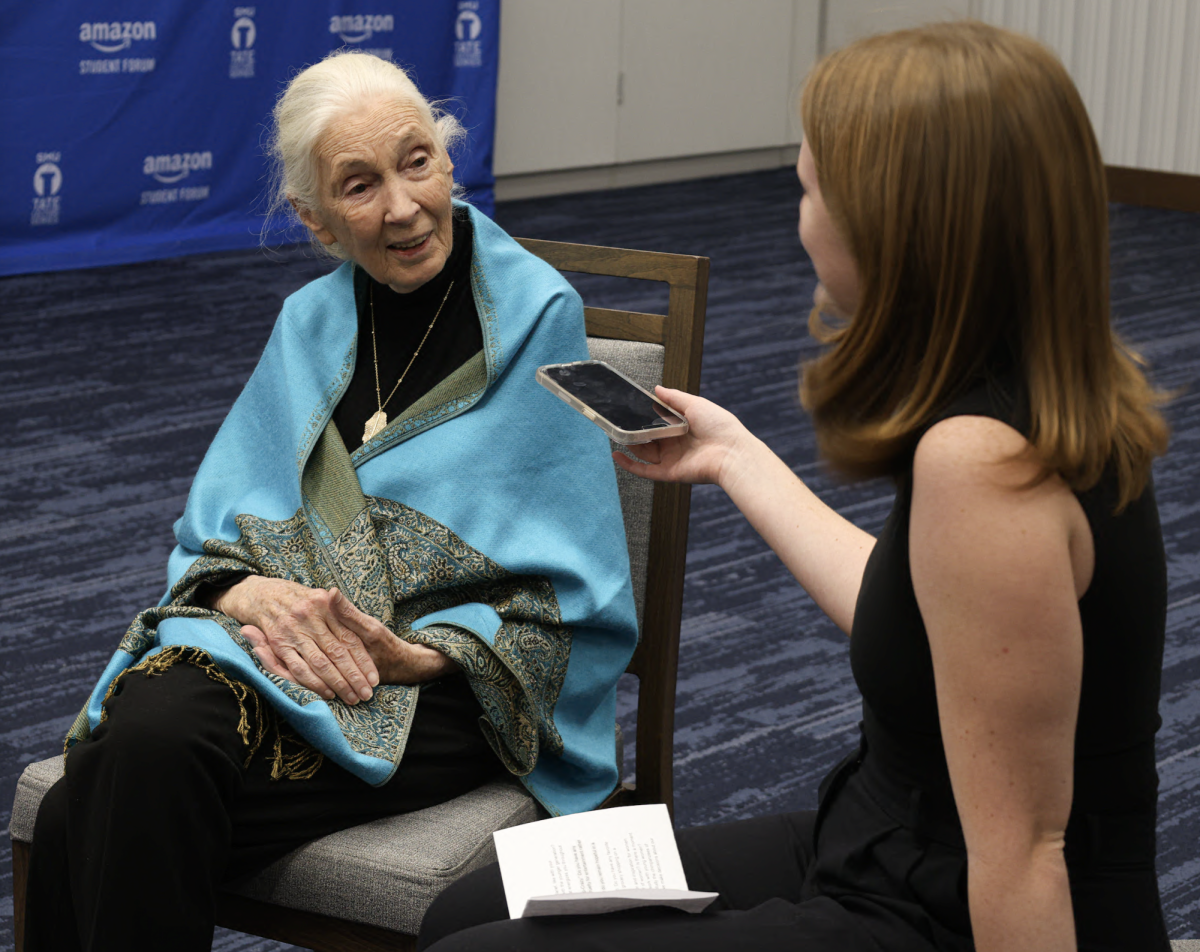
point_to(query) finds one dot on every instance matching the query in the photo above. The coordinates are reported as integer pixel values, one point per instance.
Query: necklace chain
(379, 420)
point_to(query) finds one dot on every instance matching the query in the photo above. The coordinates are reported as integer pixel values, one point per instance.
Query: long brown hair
(958, 162)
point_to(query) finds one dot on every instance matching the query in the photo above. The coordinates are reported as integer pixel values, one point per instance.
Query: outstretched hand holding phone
(824, 551)
(706, 453)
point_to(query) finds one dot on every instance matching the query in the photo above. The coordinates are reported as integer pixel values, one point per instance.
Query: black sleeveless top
(1123, 615)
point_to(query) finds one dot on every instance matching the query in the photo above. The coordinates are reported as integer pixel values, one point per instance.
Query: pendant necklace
(379, 419)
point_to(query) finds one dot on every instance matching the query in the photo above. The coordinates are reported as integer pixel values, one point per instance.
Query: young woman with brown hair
(1007, 625)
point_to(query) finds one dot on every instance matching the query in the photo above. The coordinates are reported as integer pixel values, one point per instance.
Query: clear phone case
(616, 434)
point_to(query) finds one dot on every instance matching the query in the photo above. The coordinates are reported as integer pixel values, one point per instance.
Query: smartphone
(622, 409)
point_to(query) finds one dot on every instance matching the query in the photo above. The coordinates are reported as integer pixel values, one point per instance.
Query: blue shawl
(484, 521)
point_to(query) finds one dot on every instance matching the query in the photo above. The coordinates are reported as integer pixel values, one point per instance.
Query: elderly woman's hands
(319, 639)
(707, 453)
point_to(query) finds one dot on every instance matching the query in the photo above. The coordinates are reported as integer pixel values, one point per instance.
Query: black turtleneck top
(400, 322)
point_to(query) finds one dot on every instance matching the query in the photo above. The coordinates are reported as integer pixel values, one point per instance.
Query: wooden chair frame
(655, 662)
(681, 333)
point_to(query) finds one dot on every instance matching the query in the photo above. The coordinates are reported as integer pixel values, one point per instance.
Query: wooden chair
(678, 338)
(317, 897)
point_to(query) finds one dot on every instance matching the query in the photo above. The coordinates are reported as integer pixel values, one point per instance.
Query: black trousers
(157, 810)
(854, 876)
(758, 867)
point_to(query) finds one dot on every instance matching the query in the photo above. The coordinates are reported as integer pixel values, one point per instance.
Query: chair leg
(20, 874)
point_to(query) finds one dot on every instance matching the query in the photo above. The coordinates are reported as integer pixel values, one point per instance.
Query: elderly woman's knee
(163, 719)
(50, 827)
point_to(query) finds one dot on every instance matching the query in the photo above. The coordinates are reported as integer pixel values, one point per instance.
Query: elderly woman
(401, 569)
(1007, 625)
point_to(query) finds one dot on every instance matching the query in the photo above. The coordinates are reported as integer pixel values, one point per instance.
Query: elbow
(1022, 841)
(1021, 898)
(1002, 860)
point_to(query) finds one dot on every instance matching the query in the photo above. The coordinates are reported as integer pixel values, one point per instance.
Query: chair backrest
(651, 349)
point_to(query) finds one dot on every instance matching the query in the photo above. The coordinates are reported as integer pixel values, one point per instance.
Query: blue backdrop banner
(135, 128)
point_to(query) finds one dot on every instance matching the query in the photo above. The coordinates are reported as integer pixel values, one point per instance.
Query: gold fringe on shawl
(300, 764)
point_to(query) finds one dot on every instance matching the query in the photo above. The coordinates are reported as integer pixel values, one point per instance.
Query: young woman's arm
(998, 567)
(824, 551)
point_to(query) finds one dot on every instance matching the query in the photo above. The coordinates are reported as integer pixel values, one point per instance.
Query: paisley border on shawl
(364, 567)
(485, 305)
(405, 565)
(491, 681)
(277, 548)
(324, 408)
(379, 727)
(523, 672)
(397, 515)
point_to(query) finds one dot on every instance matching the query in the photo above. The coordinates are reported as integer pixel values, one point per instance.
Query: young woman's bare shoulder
(975, 478)
(973, 451)
(989, 529)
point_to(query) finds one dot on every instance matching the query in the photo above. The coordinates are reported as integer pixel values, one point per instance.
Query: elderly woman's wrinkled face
(836, 268)
(385, 195)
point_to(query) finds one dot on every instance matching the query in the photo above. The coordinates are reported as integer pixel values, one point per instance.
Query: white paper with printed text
(602, 861)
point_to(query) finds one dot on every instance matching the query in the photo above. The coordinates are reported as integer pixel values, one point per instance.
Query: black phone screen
(612, 396)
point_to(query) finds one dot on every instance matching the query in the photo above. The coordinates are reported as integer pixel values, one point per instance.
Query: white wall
(684, 85)
(1137, 66)
(599, 82)
(556, 95)
(848, 20)
(708, 76)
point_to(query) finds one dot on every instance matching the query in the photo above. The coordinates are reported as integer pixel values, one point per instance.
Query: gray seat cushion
(32, 785)
(385, 873)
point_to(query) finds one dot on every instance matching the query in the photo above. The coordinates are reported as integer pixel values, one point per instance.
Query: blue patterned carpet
(114, 380)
